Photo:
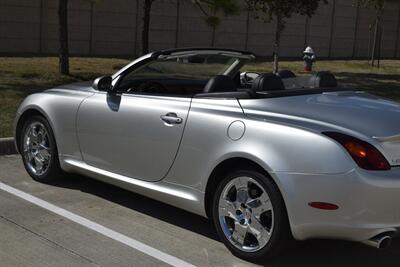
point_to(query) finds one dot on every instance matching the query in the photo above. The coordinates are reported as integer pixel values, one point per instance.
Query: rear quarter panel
(277, 147)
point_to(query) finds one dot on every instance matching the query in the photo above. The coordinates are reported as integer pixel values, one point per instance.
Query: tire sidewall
(54, 168)
(281, 231)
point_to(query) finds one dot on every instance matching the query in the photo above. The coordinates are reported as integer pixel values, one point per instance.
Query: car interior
(243, 85)
(253, 85)
(195, 76)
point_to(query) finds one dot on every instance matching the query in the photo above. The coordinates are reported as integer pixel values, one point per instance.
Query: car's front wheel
(39, 151)
(250, 216)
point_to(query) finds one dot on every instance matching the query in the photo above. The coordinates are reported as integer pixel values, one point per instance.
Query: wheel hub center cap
(244, 216)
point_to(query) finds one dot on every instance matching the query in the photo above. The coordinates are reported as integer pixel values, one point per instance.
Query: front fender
(60, 109)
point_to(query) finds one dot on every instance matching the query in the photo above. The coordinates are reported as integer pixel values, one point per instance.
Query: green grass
(20, 77)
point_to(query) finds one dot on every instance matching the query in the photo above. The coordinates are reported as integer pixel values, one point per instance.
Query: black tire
(281, 236)
(53, 171)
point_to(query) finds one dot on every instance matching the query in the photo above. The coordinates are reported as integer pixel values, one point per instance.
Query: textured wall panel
(114, 28)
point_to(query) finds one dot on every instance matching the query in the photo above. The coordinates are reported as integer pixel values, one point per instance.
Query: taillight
(364, 154)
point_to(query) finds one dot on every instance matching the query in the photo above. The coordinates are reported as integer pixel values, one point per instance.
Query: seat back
(219, 84)
(323, 79)
(267, 82)
(284, 74)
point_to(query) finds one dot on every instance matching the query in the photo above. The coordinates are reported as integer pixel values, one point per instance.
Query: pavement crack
(51, 241)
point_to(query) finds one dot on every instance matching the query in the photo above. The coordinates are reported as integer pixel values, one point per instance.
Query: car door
(136, 127)
(131, 134)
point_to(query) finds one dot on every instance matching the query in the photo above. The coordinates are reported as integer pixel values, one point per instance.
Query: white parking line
(155, 253)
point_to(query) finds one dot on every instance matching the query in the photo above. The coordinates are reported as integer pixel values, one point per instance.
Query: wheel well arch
(222, 169)
(21, 121)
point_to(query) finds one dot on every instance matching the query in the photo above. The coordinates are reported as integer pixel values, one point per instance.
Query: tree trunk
(278, 31)
(146, 26)
(213, 28)
(379, 48)
(63, 37)
(246, 43)
(375, 43)
(178, 9)
(213, 35)
(91, 28)
(376, 33)
(369, 44)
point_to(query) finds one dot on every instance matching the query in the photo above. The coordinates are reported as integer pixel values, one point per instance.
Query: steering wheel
(151, 87)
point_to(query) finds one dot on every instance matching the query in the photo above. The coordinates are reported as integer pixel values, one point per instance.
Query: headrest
(323, 79)
(286, 74)
(220, 83)
(267, 82)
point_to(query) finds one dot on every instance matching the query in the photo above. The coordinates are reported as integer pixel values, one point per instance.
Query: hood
(79, 86)
(365, 114)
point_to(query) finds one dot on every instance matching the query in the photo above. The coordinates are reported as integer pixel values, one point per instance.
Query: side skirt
(179, 196)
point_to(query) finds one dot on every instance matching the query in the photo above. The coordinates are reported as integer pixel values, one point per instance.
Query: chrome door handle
(171, 118)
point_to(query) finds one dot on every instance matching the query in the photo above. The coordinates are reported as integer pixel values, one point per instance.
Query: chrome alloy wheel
(246, 215)
(36, 148)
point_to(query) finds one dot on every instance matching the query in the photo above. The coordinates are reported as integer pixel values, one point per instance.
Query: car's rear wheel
(39, 150)
(250, 216)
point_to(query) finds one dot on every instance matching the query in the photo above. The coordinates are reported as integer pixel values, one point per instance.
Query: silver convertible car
(266, 157)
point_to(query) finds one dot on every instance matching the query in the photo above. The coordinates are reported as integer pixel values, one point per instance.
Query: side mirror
(103, 83)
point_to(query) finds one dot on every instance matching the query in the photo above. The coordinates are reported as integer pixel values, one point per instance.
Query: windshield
(197, 67)
(181, 73)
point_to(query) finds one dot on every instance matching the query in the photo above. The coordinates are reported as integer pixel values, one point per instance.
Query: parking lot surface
(83, 222)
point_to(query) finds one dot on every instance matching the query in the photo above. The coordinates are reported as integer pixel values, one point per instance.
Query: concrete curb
(7, 146)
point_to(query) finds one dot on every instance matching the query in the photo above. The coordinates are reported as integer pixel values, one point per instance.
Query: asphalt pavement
(83, 222)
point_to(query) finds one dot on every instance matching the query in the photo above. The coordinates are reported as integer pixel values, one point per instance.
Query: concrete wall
(113, 28)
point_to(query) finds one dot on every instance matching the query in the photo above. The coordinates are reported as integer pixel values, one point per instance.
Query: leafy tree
(378, 6)
(280, 11)
(210, 9)
(63, 37)
(146, 25)
(92, 7)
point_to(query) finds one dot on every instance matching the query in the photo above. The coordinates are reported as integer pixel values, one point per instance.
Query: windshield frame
(241, 57)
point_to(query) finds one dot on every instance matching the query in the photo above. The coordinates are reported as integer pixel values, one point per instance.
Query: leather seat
(267, 82)
(284, 74)
(323, 79)
(219, 84)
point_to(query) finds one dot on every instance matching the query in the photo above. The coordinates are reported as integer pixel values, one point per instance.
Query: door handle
(171, 118)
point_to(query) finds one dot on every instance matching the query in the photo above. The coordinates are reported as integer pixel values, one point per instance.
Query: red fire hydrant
(309, 58)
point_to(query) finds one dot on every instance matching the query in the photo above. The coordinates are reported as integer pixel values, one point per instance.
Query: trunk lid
(363, 113)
